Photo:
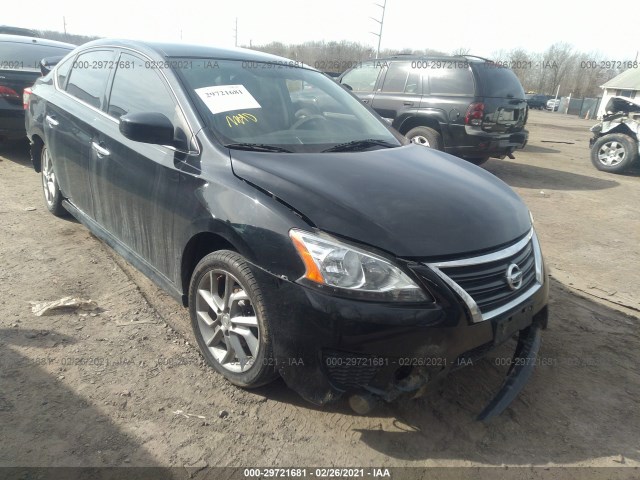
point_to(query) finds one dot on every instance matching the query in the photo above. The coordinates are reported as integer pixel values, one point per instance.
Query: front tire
(50, 189)
(230, 320)
(426, 137)
(614, 153)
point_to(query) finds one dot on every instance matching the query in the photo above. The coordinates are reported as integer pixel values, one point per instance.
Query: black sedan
(20, 60)
(307, 239)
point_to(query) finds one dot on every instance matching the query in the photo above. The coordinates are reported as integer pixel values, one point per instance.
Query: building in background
(627, 84)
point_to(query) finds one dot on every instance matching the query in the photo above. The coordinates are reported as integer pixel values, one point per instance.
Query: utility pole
(64, 26)
(381, 22)
(236, 31)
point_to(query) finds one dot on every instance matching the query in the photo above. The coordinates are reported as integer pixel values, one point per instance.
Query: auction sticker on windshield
(226, 98)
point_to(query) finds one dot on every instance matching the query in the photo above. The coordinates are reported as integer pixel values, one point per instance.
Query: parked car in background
(307, 238)
(25, 32)
(553, 104)
(20, 59)
(467, 106)
(537, 101)
(614, 145)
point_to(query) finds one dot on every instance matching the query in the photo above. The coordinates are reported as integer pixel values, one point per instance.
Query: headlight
(351, 270)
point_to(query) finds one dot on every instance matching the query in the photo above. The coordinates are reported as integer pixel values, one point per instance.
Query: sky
(484, 27)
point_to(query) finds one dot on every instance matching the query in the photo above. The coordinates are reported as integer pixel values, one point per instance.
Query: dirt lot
(126, 386)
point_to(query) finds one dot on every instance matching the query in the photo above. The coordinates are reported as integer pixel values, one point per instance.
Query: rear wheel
(230, 319)
(614, 152)
(477, 160)
(50, 188)
(425, 136)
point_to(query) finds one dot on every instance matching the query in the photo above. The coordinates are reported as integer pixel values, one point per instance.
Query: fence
(582, 107)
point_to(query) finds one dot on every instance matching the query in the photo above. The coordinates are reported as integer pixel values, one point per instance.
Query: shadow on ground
(525, 175)
(66, 429)
(16, 151)
(582, 399)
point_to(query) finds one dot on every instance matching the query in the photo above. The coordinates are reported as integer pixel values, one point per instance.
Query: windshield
(498, 81)
(277, 105)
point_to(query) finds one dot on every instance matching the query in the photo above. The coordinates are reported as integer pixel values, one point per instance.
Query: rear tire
(477, 160)
(52, 194)
(614, 153)
(426, 137)
(230, 320)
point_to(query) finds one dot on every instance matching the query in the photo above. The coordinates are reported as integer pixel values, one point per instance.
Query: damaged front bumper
(327, 346)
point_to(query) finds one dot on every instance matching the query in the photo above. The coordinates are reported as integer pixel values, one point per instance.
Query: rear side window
(451, 80)
(16, 55)
(362, 79)
(496, 81)
(62, 72)
(401, 78)
(89, 75)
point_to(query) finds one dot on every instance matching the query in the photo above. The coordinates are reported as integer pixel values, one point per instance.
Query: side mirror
(147, 127)
(47, 64)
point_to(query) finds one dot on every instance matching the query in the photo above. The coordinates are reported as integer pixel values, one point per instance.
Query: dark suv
(466, 106)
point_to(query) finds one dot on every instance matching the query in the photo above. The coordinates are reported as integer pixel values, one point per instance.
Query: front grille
(349, 370)
(487, 283)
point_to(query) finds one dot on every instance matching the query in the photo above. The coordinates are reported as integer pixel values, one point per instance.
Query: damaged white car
(614, 145)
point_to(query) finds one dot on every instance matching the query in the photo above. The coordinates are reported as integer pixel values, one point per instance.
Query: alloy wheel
(227, 320)
(420, 140)
(48, 177)
(611, 153)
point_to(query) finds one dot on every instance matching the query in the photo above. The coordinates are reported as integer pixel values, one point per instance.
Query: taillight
(8, 93)
(474, 115)
(26, 96)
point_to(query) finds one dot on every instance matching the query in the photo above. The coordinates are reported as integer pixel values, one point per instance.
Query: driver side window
(137, 88)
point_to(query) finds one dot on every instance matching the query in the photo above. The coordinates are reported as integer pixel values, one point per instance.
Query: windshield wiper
(257, 147)
(359, 145)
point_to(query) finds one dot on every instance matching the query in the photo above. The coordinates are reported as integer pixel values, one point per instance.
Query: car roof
(458, 58)
(191, 50)
(35, 41)
(18, 31)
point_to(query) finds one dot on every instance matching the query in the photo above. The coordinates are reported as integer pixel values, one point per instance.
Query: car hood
(410, 201)
(622, 105)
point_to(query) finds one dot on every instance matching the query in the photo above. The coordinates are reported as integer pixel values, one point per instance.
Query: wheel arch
(622, 128)
(199, 246)
(414, 121)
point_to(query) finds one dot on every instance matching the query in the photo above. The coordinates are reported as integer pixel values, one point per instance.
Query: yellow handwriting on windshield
(240, 119)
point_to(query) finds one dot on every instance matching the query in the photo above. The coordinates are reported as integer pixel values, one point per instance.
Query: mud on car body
(307, 238)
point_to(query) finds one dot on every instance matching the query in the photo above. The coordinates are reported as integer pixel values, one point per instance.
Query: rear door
(401, 90)
(505, 106)
(70, 123)
(136, 184)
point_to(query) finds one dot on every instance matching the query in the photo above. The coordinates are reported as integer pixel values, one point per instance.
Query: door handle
(101, 151)
(408, 104)
(52, 121)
